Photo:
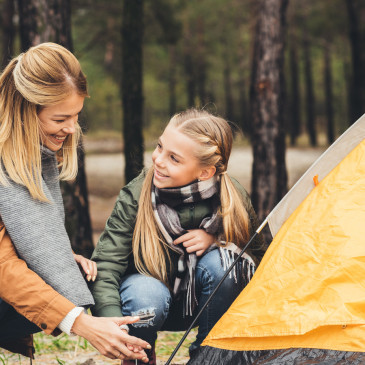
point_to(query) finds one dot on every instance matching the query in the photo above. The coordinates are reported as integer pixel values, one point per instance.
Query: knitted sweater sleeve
(113, 251)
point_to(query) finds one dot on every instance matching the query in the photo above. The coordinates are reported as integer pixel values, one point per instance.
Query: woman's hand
(88, 266)
(106, 336)
(196, 240)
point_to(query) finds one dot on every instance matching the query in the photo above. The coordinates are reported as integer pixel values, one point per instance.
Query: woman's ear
(206, 173)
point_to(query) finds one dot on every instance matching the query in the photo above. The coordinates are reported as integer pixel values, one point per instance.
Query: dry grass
(66, 350)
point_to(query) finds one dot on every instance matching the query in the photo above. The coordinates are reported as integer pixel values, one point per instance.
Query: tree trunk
(357, 93)
(201, 64)
(8, 32)
(189, 65)
(172, 79)
(328, 93)
(269, 178)
(52, 22)
(243, 118)
(241, 54)
(228, 90)
(110, 45)
(295, 121)
(190, 79)
(28, 26)
(310, 100)
(131, 88)
(348, 83)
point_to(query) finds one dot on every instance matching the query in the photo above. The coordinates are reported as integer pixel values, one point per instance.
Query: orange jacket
(26, 291)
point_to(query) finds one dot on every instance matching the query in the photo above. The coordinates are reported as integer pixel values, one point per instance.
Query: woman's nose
(70, 126)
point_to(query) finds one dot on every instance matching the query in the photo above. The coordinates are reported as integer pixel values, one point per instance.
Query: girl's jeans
(13, 325)
(142, 294)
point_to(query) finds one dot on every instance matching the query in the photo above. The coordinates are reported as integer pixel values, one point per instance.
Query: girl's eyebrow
(172, 152)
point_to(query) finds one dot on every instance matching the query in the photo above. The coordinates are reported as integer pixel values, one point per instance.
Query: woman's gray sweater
(38, 232)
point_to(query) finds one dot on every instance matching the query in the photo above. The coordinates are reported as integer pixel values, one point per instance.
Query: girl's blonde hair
(43, 76)
(214, 137)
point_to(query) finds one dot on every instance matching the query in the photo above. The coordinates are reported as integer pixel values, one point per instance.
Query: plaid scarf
(163, 203)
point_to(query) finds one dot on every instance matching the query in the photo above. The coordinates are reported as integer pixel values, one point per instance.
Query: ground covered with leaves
(73, 350)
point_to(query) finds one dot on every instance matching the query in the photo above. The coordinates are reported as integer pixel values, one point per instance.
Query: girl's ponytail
(234, 214)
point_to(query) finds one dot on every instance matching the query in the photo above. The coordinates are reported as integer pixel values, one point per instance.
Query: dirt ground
(105, 176)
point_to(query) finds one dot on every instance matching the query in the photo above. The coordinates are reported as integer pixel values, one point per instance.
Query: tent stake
(215, 290)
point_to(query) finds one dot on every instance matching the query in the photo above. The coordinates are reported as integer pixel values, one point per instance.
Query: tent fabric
(309, 290)
(209, 355)
(324, 164)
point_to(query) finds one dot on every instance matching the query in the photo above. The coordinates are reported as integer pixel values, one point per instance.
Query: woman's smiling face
(58, 121)
(174, 161)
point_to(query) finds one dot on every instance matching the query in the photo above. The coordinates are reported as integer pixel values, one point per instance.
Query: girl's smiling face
(174, 161)
(58, 121)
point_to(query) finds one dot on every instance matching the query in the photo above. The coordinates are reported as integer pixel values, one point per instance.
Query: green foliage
(60, 362)
(48, 344)
(216, 35)
(6, 358)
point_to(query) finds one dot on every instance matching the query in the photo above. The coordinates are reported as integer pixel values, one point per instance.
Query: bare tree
(8, 31)
(357, 93)
(269, 177)
(131, 88)
(172, 79)
(309, 90)
(227, 81)
(201, 62)
(28, 27)
(295, 120)
(328, 93)
(188, 61)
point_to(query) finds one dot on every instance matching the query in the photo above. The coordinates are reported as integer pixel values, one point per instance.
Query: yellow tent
(309, 290)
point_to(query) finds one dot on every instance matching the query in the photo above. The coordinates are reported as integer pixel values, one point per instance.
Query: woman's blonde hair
(43, 76)
(214, 138)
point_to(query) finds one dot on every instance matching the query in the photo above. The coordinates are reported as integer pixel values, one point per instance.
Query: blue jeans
(13, 325)
(140, 294)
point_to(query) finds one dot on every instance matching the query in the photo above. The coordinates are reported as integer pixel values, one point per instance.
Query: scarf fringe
(245, 267)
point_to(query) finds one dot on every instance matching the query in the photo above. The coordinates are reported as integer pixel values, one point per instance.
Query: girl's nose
(159, 160)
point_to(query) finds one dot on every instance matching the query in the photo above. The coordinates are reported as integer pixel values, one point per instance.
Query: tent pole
(215, 290)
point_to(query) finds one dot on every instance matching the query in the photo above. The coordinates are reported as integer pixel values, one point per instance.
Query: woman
(42, 93)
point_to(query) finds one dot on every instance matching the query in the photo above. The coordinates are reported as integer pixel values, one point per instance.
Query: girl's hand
(88, 266)
(196, 240)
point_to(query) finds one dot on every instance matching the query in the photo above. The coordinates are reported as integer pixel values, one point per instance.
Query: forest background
(284, 72)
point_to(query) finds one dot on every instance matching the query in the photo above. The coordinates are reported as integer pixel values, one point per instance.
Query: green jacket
(113, 253)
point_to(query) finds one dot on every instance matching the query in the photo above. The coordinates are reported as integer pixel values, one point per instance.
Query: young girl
(42, 93)
(169, 238)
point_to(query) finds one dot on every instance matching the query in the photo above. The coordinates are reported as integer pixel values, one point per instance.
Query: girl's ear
(206, 173)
